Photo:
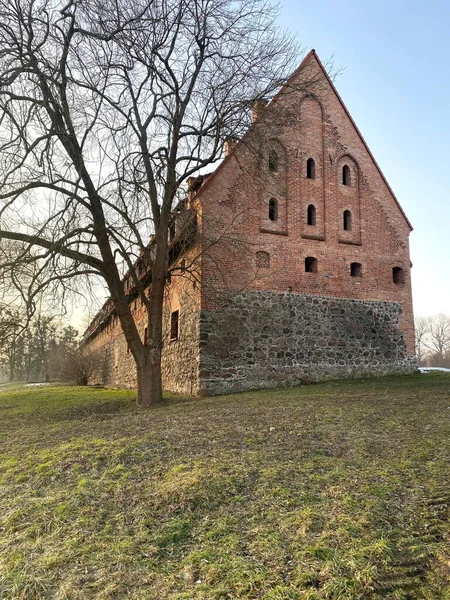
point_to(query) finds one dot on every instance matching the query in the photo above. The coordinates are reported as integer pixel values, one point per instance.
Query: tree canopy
(106, 108)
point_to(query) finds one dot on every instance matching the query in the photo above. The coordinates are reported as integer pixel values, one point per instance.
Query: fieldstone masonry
(180, 357)
(267, 339)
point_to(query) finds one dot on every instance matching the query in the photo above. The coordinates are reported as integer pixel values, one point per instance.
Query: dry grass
(332, 491)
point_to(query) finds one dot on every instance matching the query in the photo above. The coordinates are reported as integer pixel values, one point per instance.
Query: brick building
(299, 268)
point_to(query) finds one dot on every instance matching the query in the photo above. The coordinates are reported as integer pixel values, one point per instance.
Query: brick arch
(347, 158)
(275, 145)
(348, 199)
(311, 146)
(311, 96)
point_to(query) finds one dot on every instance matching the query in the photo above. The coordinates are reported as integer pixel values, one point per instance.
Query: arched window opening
(273, 161)
(398, 275)
(310, 168)
(311, 216)
(346, 179)
(273, 209)
(356, 269)
(310, 264)
(262, 259)
(347, 220)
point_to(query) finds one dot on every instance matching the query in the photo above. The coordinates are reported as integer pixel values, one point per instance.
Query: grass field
(332, 491)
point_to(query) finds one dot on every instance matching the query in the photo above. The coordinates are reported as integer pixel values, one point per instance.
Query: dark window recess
(347, 220)
(273, 161)
(145, 336)
(273, 210)
(398, 275)
(310, 264)
(174, 321)
(346, 179)
(356, 269)
(311, 216)
(310, 168)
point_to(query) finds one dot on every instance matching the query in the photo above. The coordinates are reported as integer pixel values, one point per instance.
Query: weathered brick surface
(309, 126)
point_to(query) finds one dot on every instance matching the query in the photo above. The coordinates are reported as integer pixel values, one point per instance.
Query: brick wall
(180, 357)
(301, 127)
(322, 323)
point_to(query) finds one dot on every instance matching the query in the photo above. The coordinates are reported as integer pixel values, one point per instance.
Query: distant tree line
(40, 348)
(433, 340)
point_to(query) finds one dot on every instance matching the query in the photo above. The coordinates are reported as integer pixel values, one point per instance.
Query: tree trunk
(149, 383)
(149, 373)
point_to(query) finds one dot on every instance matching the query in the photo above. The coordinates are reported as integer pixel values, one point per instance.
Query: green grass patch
(336, 491)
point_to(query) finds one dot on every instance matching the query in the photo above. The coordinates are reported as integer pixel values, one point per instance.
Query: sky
(395, 82)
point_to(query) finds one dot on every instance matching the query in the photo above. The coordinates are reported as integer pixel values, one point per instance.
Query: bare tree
(439, 337)
(107, 108)
(10, 326)
(433, 340)
(422, 330)
(68, 362)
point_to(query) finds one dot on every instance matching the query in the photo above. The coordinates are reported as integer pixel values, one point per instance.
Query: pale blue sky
(396, 86)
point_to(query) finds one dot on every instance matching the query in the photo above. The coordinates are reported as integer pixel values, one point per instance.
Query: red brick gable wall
(299, 126)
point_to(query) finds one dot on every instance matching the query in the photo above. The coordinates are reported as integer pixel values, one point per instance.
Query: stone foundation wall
(268, 339)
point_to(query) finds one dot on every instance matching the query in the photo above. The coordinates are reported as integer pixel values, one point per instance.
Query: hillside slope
(331, 491)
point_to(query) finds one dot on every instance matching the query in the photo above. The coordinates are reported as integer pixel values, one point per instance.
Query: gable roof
(312, 55)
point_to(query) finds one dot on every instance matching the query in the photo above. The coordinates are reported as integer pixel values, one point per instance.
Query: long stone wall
(268, 339)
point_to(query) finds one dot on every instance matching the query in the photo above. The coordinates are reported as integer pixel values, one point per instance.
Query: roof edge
(361, 137)
(312, 53)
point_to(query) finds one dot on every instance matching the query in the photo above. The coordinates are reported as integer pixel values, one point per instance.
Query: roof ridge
(361, 137)
(312, 53)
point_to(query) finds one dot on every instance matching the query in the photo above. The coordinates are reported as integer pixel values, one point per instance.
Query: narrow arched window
(273, 161)
(356, 269)
(346, 179)
(310, 168)
(273, 209)
(347, 220)
(311, 215)
(310, 264)
(398, 275)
